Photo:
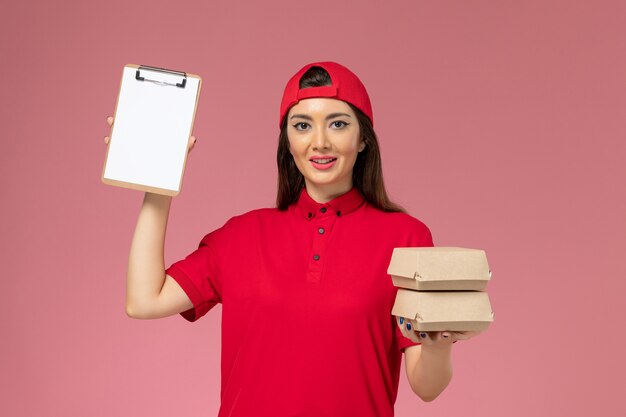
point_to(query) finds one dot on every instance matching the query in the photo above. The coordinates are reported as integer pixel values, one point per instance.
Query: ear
(361, 145)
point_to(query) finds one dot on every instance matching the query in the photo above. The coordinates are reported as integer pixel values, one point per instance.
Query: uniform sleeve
(199, 274)
(423, 238)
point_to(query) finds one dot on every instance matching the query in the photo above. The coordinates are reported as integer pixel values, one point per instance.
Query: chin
(318, 179)
(325, 182)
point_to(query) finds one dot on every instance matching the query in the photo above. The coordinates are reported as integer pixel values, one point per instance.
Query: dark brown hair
(367, 174)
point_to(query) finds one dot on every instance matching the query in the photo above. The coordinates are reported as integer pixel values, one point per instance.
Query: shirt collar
(341, 205)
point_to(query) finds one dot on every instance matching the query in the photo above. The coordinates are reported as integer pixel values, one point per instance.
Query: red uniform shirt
(306, 301)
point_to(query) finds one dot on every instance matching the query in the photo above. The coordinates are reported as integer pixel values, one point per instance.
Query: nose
(320, 139)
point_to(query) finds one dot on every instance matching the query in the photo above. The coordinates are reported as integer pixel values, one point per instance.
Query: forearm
(432, 372)
(146, 265)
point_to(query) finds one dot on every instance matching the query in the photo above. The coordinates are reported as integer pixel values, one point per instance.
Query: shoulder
(241, 224)
(403, 226)
(254, 216)
(398, 218)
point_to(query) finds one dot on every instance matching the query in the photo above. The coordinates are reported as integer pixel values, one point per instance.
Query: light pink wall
(501, 125)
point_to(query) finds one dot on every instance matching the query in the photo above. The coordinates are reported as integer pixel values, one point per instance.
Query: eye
(338, 124)
(301, 126)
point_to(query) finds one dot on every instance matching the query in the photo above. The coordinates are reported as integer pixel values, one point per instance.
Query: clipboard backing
(153, 120)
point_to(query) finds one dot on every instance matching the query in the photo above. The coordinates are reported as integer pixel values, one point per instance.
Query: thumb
(191, 143)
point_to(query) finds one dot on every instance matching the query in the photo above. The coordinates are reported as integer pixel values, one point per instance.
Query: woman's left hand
(431, 338)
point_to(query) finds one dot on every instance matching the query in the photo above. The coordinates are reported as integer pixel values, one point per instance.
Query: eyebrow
(330, 116)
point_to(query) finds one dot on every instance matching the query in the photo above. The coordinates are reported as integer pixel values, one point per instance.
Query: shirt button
(323, 209)
(321, 230)
(316, 257)
(338, 213)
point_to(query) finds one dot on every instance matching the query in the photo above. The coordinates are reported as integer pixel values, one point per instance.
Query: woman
(306, 301)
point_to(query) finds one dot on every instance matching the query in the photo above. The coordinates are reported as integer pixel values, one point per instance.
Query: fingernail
(422, 334)
(408, 326)
(401, 320)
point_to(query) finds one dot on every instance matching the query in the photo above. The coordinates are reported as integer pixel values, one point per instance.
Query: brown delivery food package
(439, 311)
(439, 268)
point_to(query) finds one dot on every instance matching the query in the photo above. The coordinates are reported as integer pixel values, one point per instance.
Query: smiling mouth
(323, 160)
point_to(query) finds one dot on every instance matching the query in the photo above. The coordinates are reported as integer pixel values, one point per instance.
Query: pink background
(501, 125)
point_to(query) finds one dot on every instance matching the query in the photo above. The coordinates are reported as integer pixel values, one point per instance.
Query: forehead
(320, 107)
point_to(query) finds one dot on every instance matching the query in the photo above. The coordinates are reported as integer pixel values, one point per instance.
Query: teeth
(323, 161)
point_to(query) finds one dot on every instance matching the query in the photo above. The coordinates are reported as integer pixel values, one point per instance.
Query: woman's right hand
(190, 144)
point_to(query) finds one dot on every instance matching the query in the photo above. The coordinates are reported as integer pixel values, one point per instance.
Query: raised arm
(150, 293)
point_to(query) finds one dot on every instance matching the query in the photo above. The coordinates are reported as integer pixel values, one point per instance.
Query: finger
(106, 140)
(412, 329)
(443, 336)
(400, 322)
(110, 120)
(422, 334)
(191, 143)
(402, 325)
(407, 329)
(435, 337)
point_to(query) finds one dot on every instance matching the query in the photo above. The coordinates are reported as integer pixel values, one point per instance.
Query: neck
(325, 193)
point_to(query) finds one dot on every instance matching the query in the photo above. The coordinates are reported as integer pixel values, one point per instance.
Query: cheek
(352, 143)
(296, 153)
(352, 148)
(296, 148)
(290, 146)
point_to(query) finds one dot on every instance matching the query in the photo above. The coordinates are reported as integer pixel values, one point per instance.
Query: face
(324, 140)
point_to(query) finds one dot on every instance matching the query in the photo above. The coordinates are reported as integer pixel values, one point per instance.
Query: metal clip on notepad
(146, 68)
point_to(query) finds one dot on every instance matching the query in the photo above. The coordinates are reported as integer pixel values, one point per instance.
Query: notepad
(153, 120)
